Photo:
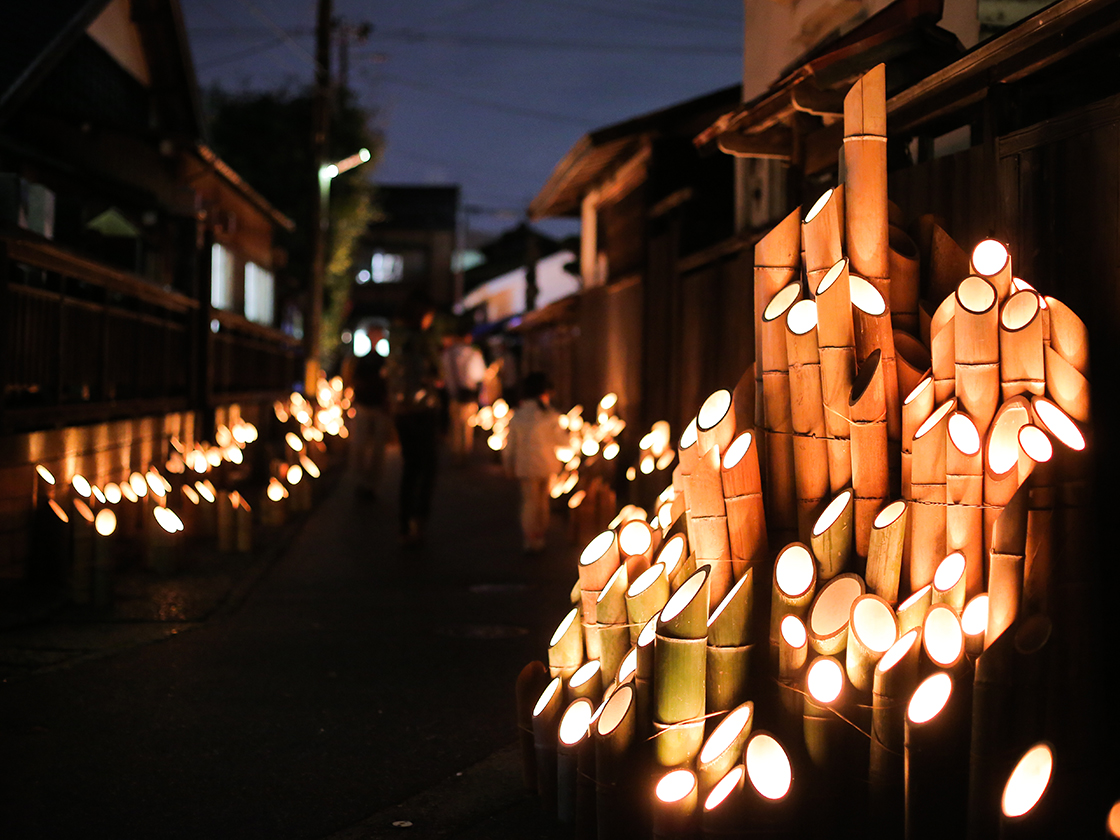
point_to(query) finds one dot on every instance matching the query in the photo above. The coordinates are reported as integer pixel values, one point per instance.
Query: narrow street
(353, 675)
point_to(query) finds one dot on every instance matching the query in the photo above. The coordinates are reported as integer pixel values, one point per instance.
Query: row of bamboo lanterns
(917, 470)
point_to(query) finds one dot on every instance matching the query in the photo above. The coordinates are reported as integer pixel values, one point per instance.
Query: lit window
(221, 277)
(259, 294)
(386, 268)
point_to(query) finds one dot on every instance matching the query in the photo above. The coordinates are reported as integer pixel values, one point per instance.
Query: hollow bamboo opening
(976, 295)
(889, 515)
(1020, 309)
(897, 652)
(575, 722)
(832, 608)
(825, 680)
(585, 674)
(713, 410)
(1036, 444)
(1058, 423)
(942, 636)
(738, 448)
(635, 537)
(963, 434)
(794, 571)
(614, 710)
(726, 732)
(676, 785)
(831, 513)
(768, 766)
(781, 302)
(819, 205)
(645, 580)
(550, 691)
(935, 418)
(802, 317)
(723, 787)
(866, 297)
(831, 276)
(949, 572)
(564, 626)
(1028, 781)
(927, 382)
(929, 698)
(873, 622)
(989, 257)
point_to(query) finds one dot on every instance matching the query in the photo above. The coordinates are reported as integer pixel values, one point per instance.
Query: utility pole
(320, 208)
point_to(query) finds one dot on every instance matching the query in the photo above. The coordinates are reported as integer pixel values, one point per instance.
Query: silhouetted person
(463, 370)
(366, 374)
(534, 434)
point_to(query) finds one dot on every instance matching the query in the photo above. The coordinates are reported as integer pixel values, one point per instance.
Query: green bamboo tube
(575, 597)
(617, 806)
(587, 682)
(896, 676)
(565, 649)
(572, 739)
(715, 422)
(679, 685)
(628, 669)
(645, 598)
(724, 747)
(675, 802)
(614, 644)
(685, 615)
(795, 582)
(727, 677)
(832, 539)
(942, 637)
(885, 551)
(546, 720)
(793, 649)
(610, 604)
(872, 630)
(974, 624)
(912, 611)
(829, 613)
(927, 496)
(770, 774)
(531, 682)
(825, 733)
(677, 744)
(674, 556)
(949, 582)
(645, 644)
(722, 814)
(730, 624)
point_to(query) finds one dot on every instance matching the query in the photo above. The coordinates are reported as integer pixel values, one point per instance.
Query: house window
(386, 268)
(221, 277)
(259, 294)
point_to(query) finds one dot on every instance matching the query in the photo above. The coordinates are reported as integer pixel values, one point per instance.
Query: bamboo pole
(713, 551)
(619, 796)
(1022, 798)
(942, 637)
(895, 676)
(1022, 363)
(679, 670)
(974, 624)
(793, 649)
(1067, 386)
(587, 682)
(964, 495)
(777, 263)
(942, 343)
(948, 264)
(822, 234)
(730, 624)
(832, 536)
(810, 449)
(1005, 574)
(872, 630)
(912, 611)
(873, 332)
(825, 733)
(927, 501)
(837, 352)
(976, 350)
(636, 544)
(771, 781)
(795, 583)
(1001, 462)
(531, 683)
(916, 407)
(674, 556)
(730, 646)
(992, 260)
(614, 642)
(936, 760)
(870, 480)
(1067, 335)
(645, 598)
(565, 650)
(715, 422)
(723, 814)
(866, 219)
(780, 488)
(597, 563)
(830, 611)
(685, 616)
(885, 551)
(742, 492)
(546, 720)
(675, 804)
(677, 744)
(573, 744)
(905, 277)
(610, 604)
(949, 582)
(912, 361)
(688, 452)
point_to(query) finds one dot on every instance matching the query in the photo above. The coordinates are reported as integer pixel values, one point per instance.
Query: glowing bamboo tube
(1005, 572)
(1025, 788)
(976, 350)
(780, 488)
(866, 226)
(546, 720)
(746, 516)
(824, 731)
(770, 801)
(837, 350)
(688, 451)
(729, 647)
(724, 747)
(777, 263)
(1022, 363)
(610, 621)
(917, 406)
(992, 261)
(1059, 424)
(885, 551)
(645, 598)
(531, 682)
(942, 344)
(587, 682)
(964, 494)
(872, 630)
(1001, 462)
(822, 234)
(942, 637)
(1068, 336)
(675, 801)
(870, 480)
(810, 449)
(830, 611)
(974, 623)
(905, 277)
(949, 582)
(795, 582)
(565, 649)
(710, 540)
(680, 661)
(936, 761)
(618, 796)
(597, 563)
(679, 564)
(912, 360)
(573, 747)
(831, 537)
(895, 677)
(793, 648)
(912, 611)
(1067, 386)
(635, 546)
(715, 422)
(723, 814)
(927, 502)
(873, 332)
(948, 264)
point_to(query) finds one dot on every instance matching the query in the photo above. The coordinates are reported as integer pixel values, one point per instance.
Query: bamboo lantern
(793, 648)
(1001, 462)
(723, 814)
(948, 264)
(645, 598)
(742, 496)
(1067, 386)
(710, 539)
(771, 776)
(976, 350)
(927, 502)
(674, 806)
(905, 274)
(618, 800)
(942, 637)
(974, 623)
(777, 263)
(1067, 335)
(872, 630)
(164, 546)
(715, 422)
(936, 762)
(643, 673)
(810, 449)
(825, 732)
(917, 406)
(531, 682)
(885, 551)
(1022, 362)
(964, 494)
(949, 582)
(830, 611)
(831, 537)
(573, 743)
(635, 545)
(781, 494)
(837, 350)
(611, 621)
(597, 563)
(82, 535)
(105, 523)
(546, 720)
(912, 361)
(873, 332)
(795, 583)
(565, 649)
(688, 450)
(992, 261)
(942, 344)
(1035, 450)
(679, 564)
(895, 677)
(822, 235)
(729, 647)
(1023, 792)
(866, 225)
(243, 520)
(870, 479)
(1005, 572)
(724, 747)
(1054, 420)
(587, 682)
(912, 611)
(680, 662)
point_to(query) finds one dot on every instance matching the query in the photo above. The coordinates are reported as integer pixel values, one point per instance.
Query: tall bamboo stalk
(715, 422)
(742, 493)
(895, 677)
(777, 263)
(810, 450)
(905, 274)
(822, 234)
(780, 488)
(1022, 361)
(837, 351)
(531, 682)
(870, 479)
(795, 582)
(1001, 462)
(942, 344)
(912, 360)
(976, 350)
(927, 496)
(1066, 334)
(964, 494)
(916, 407)
(874, 332)
(832, 536)
(872, 630)
(885, 551)
(546, 719)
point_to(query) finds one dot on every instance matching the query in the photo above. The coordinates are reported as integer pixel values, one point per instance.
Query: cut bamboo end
(724, 747)
(912, 611)
(685, 615)
(992, 260)
(830, 611)
(740, 473)
(822, 232)
(870, 478)
(546, 720)
(896, 672)
(1028, 782)
(917, 406)
(872, 630)
(610, 605)
(565, 649)
(795, 581)
(949, 582)
(1022, 361)
(942, 637)
(781, 246)
(675, 804)
(645, 598)
(885, 551)
(587, 682)
(647, 636)
(810, 464)
(715, 422)
(687, 448)
(912, 361)
(1067, 386)
(866, 225)
(974, 624)
(835, 327)
(1069, 337)
(768, 766)
(727, 677)
(730, 623)
(832, 536)
(774, 357)
(1058, 423)
(874, 332)
(674, 556)
(706, 490)
(793, 648)
(531, 682)
(598, 561)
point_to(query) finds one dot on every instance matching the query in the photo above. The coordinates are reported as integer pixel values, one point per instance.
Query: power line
(240, 54)
(295, 48)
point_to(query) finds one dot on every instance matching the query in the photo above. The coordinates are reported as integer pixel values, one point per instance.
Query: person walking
(366, 374)
(463, 372)
(530, 454)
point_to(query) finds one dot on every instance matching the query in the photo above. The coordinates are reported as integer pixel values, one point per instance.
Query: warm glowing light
(683, 596)
(585, 673)
(665, 516)
(80, 485)
(635, 538)
(629, 666)
(608, 402)
(794, 570)
(546, 696)
(725, 733)
(942, 635)
(191, 494)
(802, 317)
(735, 452)
(574, 724)
(58, 511)
(649, 632)
(577, 499)
(974, 619)
(724, 786)
(825, 679)
(976, 295)
(112, 493)
(1058, 423)
(275, 490)
(989, 257)
(564, 626)
(155, 482)
(615, 710)
(1020, 309)
(963, 434)
(793, 632)
(672, 554)
(676, 785)
(128, 492)
(688, 436)
(820, 204)
(831, 277)
(610, 451)
(295, 473)
(889, 515)
(83, 510)
(168, 520)
(833, 606)
(105, 522)
(309, 466)
(927, 382)
(293, 440)
(935, 418)
(1028, 781)
(782, 301)
(897, 651)
(1114, 819)
(727, 599)
(1036, 443)
(206, 490)
(597, 548)
(97, 494)
(647, 464)
(138, 484)
(589, 448)
(929, 698)
(831, 513)
(866, 297)
(915, 597)
(223, 436)
(768, 766)
(1003, 438)
(714, 409)
(44, 474)
(214, 457)
(949, 571)
(874, 623)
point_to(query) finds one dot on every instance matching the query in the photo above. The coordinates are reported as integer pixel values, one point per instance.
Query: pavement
(151, 676)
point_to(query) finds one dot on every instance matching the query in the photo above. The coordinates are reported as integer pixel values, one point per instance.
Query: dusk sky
(488, 94)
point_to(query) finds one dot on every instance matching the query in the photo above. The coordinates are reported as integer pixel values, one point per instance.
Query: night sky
(489, 94)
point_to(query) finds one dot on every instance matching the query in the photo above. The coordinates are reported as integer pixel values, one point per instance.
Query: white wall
(504, 296)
